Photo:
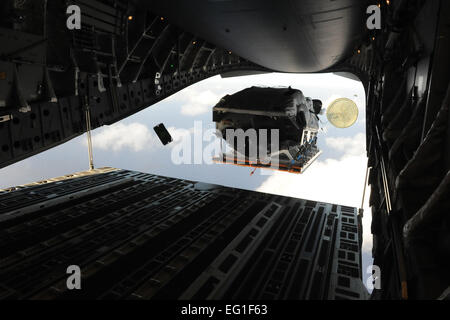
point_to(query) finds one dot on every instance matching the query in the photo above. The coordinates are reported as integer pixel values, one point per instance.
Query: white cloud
(197, 102)
(339, 181)
(19, 173)
(194, 109)
(349, 145)
(135, 136)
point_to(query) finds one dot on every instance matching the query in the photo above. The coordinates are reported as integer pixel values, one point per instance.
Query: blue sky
(336, 177)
